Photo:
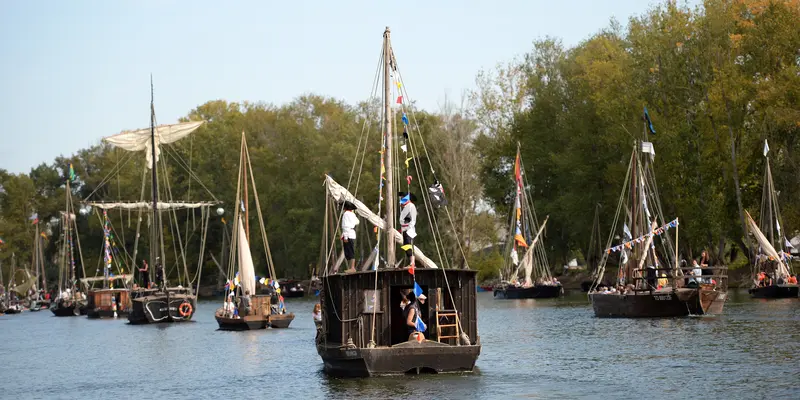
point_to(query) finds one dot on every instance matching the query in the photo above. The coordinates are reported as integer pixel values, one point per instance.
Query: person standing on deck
(349, 223)
(159, 272)
(144, 275)
(246, 303)
(408, 223)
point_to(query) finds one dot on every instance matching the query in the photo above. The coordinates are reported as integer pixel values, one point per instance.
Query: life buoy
(185, 309)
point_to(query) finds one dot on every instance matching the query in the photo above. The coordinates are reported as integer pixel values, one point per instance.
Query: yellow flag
(406, 247)
(407, 160)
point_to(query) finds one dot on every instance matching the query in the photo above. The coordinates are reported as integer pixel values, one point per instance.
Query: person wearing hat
(349, 223)
(408, 223)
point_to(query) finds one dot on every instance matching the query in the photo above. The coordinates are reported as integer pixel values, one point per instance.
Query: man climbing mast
(408, 223)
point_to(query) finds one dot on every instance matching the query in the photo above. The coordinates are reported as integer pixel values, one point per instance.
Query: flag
(71, 173)
(627, 232)
(649, 123)
(44, 235)
(411, 269)
(517, 170)
(420, 325)
(417, 289)
(2, 241)
(34, 218)
(405, 120)
(399, 99)
(788, 243)
(407, 160)
(242, 204)
(766, 147)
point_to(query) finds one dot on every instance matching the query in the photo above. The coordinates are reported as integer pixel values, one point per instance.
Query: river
(531, 349)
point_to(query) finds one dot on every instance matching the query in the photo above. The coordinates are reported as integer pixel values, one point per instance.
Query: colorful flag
(649, 123)
(399, 99)
(411, 269)
(417, 289)
(44, 235)
(405, 119)
(2, 241)
(34, 218)
(71, 173)
(420, 325)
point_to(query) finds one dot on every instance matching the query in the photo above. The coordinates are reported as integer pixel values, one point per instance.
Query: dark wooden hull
(62, 311)
(153, 308)
(99, 313)
(664, 304)
(10, 311)
(775, 292)
(249, 323)
(409, 357)
(533, 292)
(281, 321)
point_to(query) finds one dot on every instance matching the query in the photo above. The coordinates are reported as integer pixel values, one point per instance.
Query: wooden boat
(538, 281)
(364, 330)
(291, 288)
(108, 303)
(508, 291)
(773, 265)
(163, 301)
(70, 301)
(241, 286)
(650, 282)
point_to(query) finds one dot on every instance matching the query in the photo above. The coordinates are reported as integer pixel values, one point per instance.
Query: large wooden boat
(772, 268)
(70, 301)
(649, 282)
(109, 302)
(538, 281)
(264, 309)
(366, 329)
(163, 299)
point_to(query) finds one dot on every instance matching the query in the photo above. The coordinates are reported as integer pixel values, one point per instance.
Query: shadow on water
(552, 348)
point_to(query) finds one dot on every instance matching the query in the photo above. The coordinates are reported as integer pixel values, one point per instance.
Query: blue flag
(417, 290)
(649, 123)
(420, 325)
(405, 119)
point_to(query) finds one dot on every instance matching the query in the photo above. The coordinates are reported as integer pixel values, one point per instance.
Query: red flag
(411, 269)
(399, 99)
(517, 172)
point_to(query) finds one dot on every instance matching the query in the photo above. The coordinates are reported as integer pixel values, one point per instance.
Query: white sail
(247, 274)
(339, 193)
(140, 139)
(146, 205)
(527, 259)
(766, 246)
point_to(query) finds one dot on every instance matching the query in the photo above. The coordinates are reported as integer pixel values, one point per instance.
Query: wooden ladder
(447, 315)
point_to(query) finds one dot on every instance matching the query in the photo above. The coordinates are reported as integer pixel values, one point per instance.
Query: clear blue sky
(73, 72)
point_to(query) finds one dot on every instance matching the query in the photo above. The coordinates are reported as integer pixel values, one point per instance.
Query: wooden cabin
(350, 306)
(101, 303)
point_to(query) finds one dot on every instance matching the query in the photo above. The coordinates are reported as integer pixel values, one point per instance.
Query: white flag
(766, 147)
(788, 244)
(627, 231)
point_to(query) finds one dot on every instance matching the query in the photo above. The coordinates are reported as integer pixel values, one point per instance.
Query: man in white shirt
(349, 223)
(408, 223)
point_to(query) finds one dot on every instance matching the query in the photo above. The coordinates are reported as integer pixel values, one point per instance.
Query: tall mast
(69, 237)
(154, 243)
(246, 198)
(387, 121)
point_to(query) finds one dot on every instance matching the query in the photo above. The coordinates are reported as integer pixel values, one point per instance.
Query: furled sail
(339, 194)
(766, 246)
(139, 140)
(146, 205)
(527, 259)
(247, 275)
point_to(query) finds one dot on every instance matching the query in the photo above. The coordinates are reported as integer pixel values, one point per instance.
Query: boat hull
(408, 357)
(249, 323)
(153, 308)
(533, 292)
(281, 321)
(663, 304)
(775, 292)
(65, 311)
(12, 311)
(99, 313)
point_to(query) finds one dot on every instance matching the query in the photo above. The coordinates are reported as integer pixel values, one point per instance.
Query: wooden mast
(246, 198)
(387, 120)
(155, 243)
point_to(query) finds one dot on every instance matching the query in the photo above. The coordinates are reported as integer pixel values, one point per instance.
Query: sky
(73, 72)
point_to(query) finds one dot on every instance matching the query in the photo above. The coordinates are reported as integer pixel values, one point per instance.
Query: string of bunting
(633, 242)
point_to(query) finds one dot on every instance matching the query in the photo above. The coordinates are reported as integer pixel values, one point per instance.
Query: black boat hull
(533, 292)
(665, 304)
(12, 311)
(65, 311)
(153, 308)
(102, 314)
(408, 357)
(775, 292)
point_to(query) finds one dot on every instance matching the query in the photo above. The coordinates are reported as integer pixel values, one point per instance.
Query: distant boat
(649, 281)
(70, 300)
(162, 302)
(264, 309)
(773, 263)
(523, 253)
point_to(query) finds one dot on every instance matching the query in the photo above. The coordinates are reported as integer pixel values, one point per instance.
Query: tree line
(717, 80)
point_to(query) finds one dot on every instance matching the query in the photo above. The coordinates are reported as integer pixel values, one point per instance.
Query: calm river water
(531, 349)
